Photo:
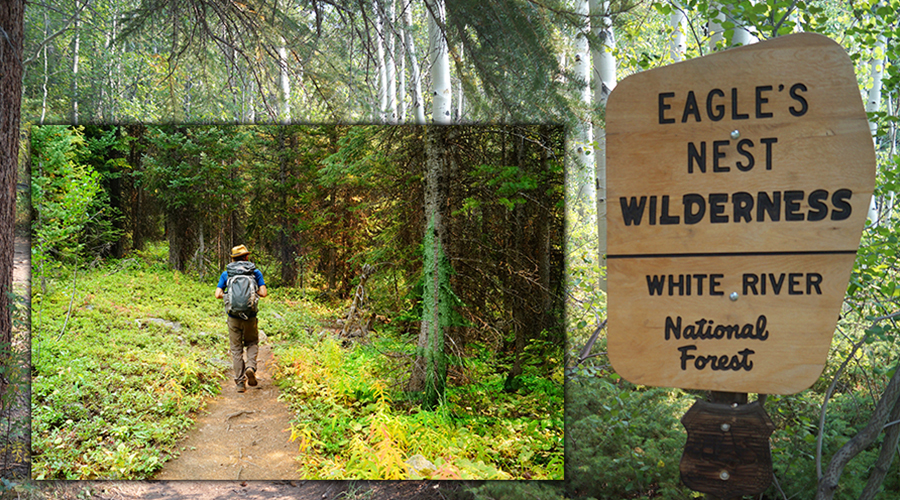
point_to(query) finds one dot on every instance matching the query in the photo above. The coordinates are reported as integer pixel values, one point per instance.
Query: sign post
(738, 186)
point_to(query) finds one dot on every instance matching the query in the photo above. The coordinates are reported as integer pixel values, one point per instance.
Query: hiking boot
(241, 387)
(251, 377)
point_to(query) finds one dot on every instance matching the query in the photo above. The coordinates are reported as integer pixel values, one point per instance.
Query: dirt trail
(240, 435)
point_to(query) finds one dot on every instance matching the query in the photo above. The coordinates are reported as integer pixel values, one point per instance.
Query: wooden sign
(727, 449)
(738, 186)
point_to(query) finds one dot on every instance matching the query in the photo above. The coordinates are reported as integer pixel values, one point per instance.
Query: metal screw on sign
(733, 296)
(735, 134)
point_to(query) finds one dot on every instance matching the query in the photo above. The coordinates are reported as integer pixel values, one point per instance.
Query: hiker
(241, 285)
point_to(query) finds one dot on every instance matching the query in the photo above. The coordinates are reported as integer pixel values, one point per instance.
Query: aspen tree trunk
(876, 74)
(741, 35)
(382, 69)
(604, 82)
(891, 111)
(46, 72)
(390, 59)
(873, 103)
(583, 135)
(678, 22)
(285, 80)
(401, 76)
(76, 26)
(440, 63)
(418, 103)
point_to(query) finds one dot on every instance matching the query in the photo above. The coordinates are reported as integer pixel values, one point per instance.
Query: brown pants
(243, 333)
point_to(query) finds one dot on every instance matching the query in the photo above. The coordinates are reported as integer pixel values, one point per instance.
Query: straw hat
(239, 251)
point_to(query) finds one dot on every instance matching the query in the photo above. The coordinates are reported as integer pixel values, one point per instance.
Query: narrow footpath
(240, 436)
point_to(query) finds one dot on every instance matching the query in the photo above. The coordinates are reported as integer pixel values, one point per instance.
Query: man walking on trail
(241, 285)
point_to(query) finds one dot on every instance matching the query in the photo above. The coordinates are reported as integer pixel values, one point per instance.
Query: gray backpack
(241, 297)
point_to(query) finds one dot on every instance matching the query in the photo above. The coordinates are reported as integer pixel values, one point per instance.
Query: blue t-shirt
(223, 279)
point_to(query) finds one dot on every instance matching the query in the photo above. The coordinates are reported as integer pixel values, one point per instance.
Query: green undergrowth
(122, 364)
(353, 420)
(119, 367)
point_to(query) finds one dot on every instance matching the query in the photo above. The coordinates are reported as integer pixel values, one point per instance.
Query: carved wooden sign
(738, 186)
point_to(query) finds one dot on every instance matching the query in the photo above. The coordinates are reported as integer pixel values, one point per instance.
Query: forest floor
(256, 490)
(239, 435)
(14, 450)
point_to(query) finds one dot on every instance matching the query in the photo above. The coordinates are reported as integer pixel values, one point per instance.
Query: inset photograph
(297, 302)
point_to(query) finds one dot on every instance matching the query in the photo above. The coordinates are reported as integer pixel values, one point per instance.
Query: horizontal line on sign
(729, 254)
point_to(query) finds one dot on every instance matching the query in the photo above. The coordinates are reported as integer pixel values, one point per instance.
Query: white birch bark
(583, 136)
(876, 75)
(401, 75)
(380, 61)
(46, 71)
(604, 82)
(604, 61)
(740, 37)
(75, 56)
(390, 59)
(889, 204)
(873, 104)
(418, 104)
(285, 83)
(716, 31)
(678, 23)
(441, 98)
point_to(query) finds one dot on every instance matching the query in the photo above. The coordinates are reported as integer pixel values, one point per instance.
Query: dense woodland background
(192, 60)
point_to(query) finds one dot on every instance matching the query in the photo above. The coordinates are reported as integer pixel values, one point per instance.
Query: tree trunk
(138, 218)
(285, 80)
(12, 22)
(873, 104)
(828, 483)
(418, 101)
(288, 270)
(390, 59)
(605, 80)
(382, 68)
(46, 70)
(401, 76)
(440, 63)
(460, 97)
(76, 26)
(583, 135)
(430, 369)
(178, 227)
(678, 23)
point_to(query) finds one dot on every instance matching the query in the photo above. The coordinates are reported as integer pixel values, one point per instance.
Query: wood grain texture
(727, 450)
(791, 217)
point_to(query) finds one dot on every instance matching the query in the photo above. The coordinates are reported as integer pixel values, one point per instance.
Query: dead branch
(829, 481)
(586, 352)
